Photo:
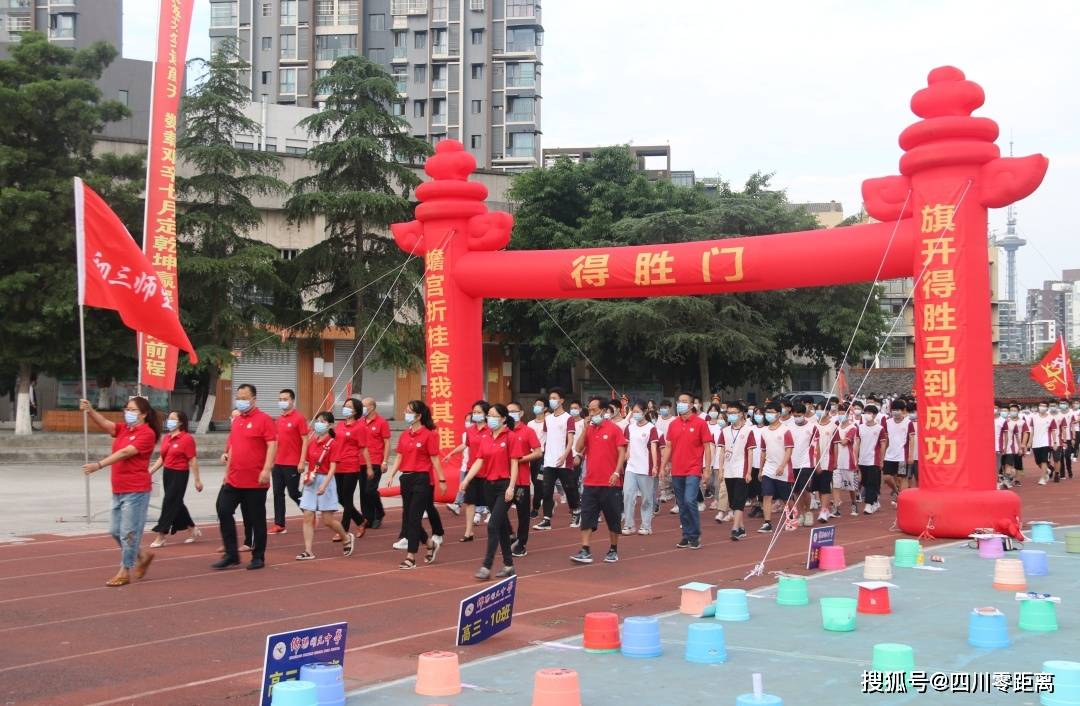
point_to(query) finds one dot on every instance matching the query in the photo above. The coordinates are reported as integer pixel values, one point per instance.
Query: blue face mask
(130, 417)
(492, 422)
(820, 414)
(843, 418)
(364, 411)
(770, 417)
(171, 424)
(665, 411)
(283, 405)
(243, 405)
(516, 416)
(732, 418)
(759, 419)
(537, 409)
(554, 404)
(346, 412)
(478, 418)
(1003, 414)
(597, 419)
(638, 416)
(575, 412)
(682, 407)
(410, 418)
(714, 414)
(321, 427)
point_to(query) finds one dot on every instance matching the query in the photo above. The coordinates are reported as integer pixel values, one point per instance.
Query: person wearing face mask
(846, 456)
(1065, 437)
(664, 418)
(249, 456)
(822, 481)
(856, 413)
(804, 434)
(716, 489)
(1043, 426)
(472, 501)
(292, 436)
(785, 413)
(320, 491)
(642, 460)
(899, 436)
(577, 466)
(353, 461)
(418, 462)
(688, 450)
(559, 431)
(1001, 416)
(134, 440)
(378, 435)
(604, 446)
(1057, 441)
(536, 466)
(529, 450)
(872, 442)
(912, 480)
(735, 446)
(1013, 440)
(617, 417)
(178, 458)
(756, 417)
(777, 473)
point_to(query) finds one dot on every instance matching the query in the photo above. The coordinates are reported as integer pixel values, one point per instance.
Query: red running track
(189, 635)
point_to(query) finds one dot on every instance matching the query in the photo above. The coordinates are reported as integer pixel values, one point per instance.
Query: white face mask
(283, 405)
(410, 418)
(346, 412)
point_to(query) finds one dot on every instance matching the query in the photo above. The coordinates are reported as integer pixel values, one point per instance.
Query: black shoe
(695, 544)
(226, 562)
(376, 524)
(582, 557)
(767, 527)
(683, 543)
(544, 524)
(575, 520)
(256, 564)
(742, 532)
(534, 514)
(734, 535)
(519, 551)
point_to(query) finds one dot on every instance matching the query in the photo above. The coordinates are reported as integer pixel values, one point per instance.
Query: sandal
(407, 564)
(360, 529)
(195, 534)
(347, 548)
(157, 543)
(305, 556)
(431, 552)
(118, 581)
(467, 538)
(142, 565)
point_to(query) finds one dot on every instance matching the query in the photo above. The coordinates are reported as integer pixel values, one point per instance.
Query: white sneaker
(627, 530)
(855, 510)
(643, 532)
(487, 517)
(870, 509)
(401, 544)
(824, 517)
(719, 516)
(1042, 481)
(476, 518)
(701, 507)
(454, 508)
(674, 510)
(437, 538)
(814, 502)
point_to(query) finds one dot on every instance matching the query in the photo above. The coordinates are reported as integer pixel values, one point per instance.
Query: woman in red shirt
(418, 461)
(134, 442)
(320, 491)
(177, 457)
(498, 460)
(352, 439)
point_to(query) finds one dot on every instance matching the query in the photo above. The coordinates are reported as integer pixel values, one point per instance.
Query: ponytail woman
(352, 452)
(134, 440)
(178, 458)
(319, 489)
(417, 460)
(498, 461)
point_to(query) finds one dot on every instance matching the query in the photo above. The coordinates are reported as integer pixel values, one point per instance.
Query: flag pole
(85, 422)
(1065, 364)
(80, 263)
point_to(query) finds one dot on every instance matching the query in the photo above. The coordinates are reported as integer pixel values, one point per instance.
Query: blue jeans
(686, 492)
(128, 523)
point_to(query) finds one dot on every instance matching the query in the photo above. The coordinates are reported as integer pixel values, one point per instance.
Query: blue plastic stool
(294, 693)
(705, 644)
(1035, 563)
(641, 637)
(731, 604)
(1066, 683)
(765, 700)
(988, 630)
(329, 681)
(1042, 533)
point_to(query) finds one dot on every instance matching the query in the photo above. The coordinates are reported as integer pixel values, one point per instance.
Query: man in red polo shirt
(379, 449)
(603, 445)
(249, 456)
(292, 440)
(689, 450)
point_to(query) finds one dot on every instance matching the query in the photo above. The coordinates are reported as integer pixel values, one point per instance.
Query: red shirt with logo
(378, 432)
(474, 440)
(416, 447)
(321, 453)
(527, 442)
(352, 437)
(601, 450)
(687, 439)
(177, 451)
(132, 475)
(291, 430)
(249, 439)
(496, 452)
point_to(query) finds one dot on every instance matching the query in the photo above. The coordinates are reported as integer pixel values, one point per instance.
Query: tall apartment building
(76, 24)
(465, 69)
(1058, 301)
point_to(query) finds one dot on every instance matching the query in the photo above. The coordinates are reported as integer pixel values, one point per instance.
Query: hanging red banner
(157, 360)
(1054, 371)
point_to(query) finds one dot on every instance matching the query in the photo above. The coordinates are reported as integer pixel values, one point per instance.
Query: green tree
(229, 281)
(50, 110)
(361, 187)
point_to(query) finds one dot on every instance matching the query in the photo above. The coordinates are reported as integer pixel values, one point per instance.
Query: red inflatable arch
(951, 172)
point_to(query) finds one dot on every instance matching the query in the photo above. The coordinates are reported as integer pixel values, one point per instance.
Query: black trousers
(871, 482)
(536, 470)
(286, 479)
(252, 503)
(434, 519)
(1066, 457)
(174, 514)
(569, 479)
(416, 494)
(370, 501)
(522, 503)
(498, 531)
(346, 493)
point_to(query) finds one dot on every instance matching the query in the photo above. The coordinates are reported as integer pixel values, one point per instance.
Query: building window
(324, 13)
(245, 145)
(520, 75)
(438, 42)
(62, 26)
(519, 110)
(287, 81)
(439, 10)
(477, 5)
(290, 149)
(477, 37)
(398, 108)
(521, 39)
(419, 74)
(438, 111)
(122, 96)
(267, 43)
(520, 8)
(520, 144)
(288, 12)
(288, 253)
(223, 14)
(477, 107)
(287, 42)
(438, 77)
(376, 23)
(267, 9)
(420, 40)
(349, 12)
(216, 44)
(329, 47)
(377, 55)
(478, 71)
(418, 109)
(476, 141)
(265, 78)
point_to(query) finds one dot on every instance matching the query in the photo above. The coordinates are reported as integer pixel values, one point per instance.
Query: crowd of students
(793, 459)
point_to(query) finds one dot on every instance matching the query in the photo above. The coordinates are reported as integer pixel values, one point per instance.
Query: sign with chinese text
(654, 266)
(440, 388)
(286, 652)
(157, 359)
(486, 612)
(819, 537)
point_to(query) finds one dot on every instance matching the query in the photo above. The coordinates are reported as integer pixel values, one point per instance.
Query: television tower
(1010, 244)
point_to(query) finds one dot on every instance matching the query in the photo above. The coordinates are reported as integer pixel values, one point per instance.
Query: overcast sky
(816, 92)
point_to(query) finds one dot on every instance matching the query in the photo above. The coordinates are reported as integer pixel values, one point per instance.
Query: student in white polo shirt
(899, 433)
(735, 446)
(642, 460)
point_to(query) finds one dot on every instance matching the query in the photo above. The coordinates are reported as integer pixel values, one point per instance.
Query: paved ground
(189, 635)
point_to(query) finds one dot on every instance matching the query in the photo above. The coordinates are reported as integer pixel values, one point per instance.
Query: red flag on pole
(1054, 371)
(114, 274)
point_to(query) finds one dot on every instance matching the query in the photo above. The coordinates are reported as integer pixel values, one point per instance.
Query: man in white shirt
(559, 446)
(1001, 417)
(777, 473)
(804, 434)
(1042, 430)
(899, 434)
(536, 467)
(736, 444)
(642, 460)
(1013, 440)
(872, 442)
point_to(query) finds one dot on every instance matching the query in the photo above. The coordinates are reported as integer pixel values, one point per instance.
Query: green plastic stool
(792, 591)
(1038, 616)
(894, 657)
(906, 553)
(1072, 542)
(838, 614)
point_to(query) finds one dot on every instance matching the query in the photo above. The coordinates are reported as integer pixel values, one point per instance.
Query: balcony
(520, 48)
(523, 152)
(438, 120)
(408, 7)
(476, 5)
(523, 11)
(401, 82)
(400, 55)
(400, 22)
(521, 117)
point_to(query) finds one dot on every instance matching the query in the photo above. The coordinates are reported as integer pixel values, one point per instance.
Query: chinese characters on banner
(1054, 372)
(157, 360)
(654, 267)
(486, 612)
(938, 333)
(287, 652)
(440, 390)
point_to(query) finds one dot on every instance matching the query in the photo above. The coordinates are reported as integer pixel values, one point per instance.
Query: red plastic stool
(873, 600)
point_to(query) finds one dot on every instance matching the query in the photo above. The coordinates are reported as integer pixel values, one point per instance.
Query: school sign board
(486, 612)
(819, 537)
(286, 652)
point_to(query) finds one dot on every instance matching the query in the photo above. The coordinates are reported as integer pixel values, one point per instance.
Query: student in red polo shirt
(177, 457)
(378, 428)
(603, 444)
(688, 449)
(497, 460)
(531, 450)
(292, 438)
(320, 490)
(249, 456)
(133, 443)
(472, 501)
(354, 459)
(418, 461)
